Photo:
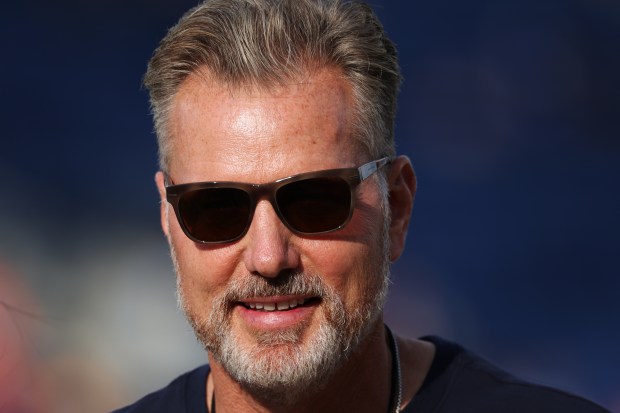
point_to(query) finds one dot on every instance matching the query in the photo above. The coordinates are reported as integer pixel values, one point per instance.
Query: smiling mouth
(282, 305)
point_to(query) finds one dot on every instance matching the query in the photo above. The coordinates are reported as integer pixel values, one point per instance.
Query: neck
(367, 372)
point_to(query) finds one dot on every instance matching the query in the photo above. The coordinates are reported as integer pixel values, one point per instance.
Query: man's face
(335, 282)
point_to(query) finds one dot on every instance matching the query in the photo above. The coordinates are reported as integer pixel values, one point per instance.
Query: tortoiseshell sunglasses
(308, 204)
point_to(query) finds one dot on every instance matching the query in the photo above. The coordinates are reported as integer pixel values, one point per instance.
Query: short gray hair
(270, 42)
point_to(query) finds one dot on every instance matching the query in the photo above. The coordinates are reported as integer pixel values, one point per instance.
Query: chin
(285, 366)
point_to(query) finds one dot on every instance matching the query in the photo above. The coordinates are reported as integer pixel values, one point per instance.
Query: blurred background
(510, 112)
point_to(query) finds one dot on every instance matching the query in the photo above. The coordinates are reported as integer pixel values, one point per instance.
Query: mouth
(276, 313)
(269, 304)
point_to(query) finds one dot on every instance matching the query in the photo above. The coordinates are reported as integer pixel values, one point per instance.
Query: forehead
(221, 132)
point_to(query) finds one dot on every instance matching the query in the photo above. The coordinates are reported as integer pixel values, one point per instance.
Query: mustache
(286, 283)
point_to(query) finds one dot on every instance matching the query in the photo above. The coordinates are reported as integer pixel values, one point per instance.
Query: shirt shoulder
(186, 393)
(469, 383)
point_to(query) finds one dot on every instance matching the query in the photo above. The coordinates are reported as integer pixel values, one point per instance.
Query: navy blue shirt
(458, 382)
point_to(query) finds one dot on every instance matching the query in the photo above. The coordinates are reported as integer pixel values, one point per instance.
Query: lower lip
(274, 320)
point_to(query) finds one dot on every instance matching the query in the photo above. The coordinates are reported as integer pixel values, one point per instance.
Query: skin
(258, 135)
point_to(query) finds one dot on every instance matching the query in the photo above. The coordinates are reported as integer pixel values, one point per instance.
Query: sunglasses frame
(352, 176)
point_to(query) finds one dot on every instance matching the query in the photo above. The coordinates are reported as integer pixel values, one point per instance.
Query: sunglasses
(308, 204)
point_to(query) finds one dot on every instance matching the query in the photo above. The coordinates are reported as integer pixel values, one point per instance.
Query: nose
(269, 251)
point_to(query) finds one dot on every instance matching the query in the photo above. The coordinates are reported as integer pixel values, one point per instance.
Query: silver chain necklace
(396, 386)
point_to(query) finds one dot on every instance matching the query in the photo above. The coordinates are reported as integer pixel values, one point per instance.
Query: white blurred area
(111, 329)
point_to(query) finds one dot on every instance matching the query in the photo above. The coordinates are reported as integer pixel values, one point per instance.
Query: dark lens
(316, 204)
(215, 214)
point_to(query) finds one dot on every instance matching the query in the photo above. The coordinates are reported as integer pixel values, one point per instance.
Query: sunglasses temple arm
(371, 167)
(167, 180)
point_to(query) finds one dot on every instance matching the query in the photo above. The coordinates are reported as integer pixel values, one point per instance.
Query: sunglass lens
(315, 205)
(215, 214)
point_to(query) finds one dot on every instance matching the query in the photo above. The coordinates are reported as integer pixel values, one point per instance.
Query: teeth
(283, 305)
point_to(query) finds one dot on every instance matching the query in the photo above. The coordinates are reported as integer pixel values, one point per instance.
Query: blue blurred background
(510, 112)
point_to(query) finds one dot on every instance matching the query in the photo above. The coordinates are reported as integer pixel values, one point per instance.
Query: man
(284, 204)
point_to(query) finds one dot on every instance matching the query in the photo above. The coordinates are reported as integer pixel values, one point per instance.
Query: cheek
(353, 265)
(202, 271)
(346, 266)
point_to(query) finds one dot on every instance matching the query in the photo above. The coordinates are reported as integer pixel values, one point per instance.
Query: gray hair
(269, 42)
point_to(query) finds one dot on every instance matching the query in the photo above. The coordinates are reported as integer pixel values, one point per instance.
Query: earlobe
(163, 203)
(402, 187)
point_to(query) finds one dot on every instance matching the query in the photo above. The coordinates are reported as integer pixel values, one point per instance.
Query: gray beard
(283, 368)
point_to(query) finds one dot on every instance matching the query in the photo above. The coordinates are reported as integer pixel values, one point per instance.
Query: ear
(163, 202)
(402, 186)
